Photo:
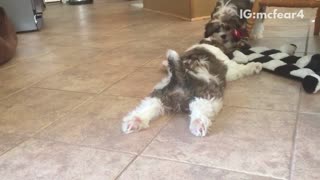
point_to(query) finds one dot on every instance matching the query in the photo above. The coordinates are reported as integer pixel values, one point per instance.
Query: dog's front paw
(198, 127)
(132, 124)
(256, 67)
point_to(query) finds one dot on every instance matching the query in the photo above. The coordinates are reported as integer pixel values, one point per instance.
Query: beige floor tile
(157, 63)
(32, 109)
(310, 103)
(9, 141)
(37, 159)
(133, 54)
(277, 42)
(25, 74)
(33, 39)
(285, 32)
(242, 140)
(263, 91)
(306, 160)
(141, 170)
(90, 78)
(29, 51)
(68, 56)
(98, 124)
(92, 40)
(24, 52)
(139, 84)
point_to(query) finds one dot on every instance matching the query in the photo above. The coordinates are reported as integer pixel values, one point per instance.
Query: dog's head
(224, 22)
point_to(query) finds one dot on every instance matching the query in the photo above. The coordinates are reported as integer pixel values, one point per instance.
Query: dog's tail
(173, 60)
(174, 66)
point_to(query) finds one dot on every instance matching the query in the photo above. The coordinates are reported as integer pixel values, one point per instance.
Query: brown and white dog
(195, 84)
(197, 78)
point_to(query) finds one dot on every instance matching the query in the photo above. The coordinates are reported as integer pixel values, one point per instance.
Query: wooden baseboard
(169, 14)
(200, 18)
(177, 16)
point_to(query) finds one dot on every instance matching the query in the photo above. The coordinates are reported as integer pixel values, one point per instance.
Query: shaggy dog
(195, 84)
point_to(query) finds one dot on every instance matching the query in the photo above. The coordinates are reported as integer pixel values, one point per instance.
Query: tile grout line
(63, 90)
(140, 153)
(44, 127)
(114, 83)
(60, 118)
(136, 69)
(18, 144)
(261, 109)
(33, 85)
(294, 137)
(210, 167)
(84, 146)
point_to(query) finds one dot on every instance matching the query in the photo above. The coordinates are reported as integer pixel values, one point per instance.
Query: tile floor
(62, 98)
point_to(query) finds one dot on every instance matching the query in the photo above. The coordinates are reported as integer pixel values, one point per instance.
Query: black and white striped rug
(306, 68)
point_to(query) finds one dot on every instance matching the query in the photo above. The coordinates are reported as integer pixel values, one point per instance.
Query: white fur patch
(227, 8)
(203, 75)
(202, 112)
(259, 49)
(279, 55)
(205, 107)
(302, 73)
(213, 50)
(171, 54)
(272, 65)
(239, 57)
(237, 71)
(139, 118)
(303, 61)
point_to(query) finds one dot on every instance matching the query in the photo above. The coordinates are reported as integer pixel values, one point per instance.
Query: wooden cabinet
(186, 9)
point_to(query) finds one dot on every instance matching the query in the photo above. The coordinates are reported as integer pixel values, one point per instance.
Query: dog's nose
(224, 36)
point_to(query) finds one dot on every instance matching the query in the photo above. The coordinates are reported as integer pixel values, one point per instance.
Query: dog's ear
(217, 7)
(235, 22)
(209, 30)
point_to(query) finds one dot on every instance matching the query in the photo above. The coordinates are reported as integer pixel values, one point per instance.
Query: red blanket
(8, 38)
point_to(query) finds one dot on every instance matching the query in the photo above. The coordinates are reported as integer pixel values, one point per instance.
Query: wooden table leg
(251, 21)
(317, 24)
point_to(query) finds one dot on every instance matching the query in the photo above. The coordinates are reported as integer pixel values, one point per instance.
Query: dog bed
(283, 62)
(8, 38)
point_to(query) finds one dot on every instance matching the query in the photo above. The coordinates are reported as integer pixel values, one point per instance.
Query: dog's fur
(225, 18)
(195, 84)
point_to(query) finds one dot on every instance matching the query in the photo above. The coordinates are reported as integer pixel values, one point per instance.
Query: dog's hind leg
(149, 109)
(237, 71)
(202, 113)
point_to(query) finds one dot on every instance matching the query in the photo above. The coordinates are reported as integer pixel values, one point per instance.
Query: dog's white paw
(133, 124)
(256, 67)
(198, 127)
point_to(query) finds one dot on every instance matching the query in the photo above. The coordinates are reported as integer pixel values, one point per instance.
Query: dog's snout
(223, 36)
